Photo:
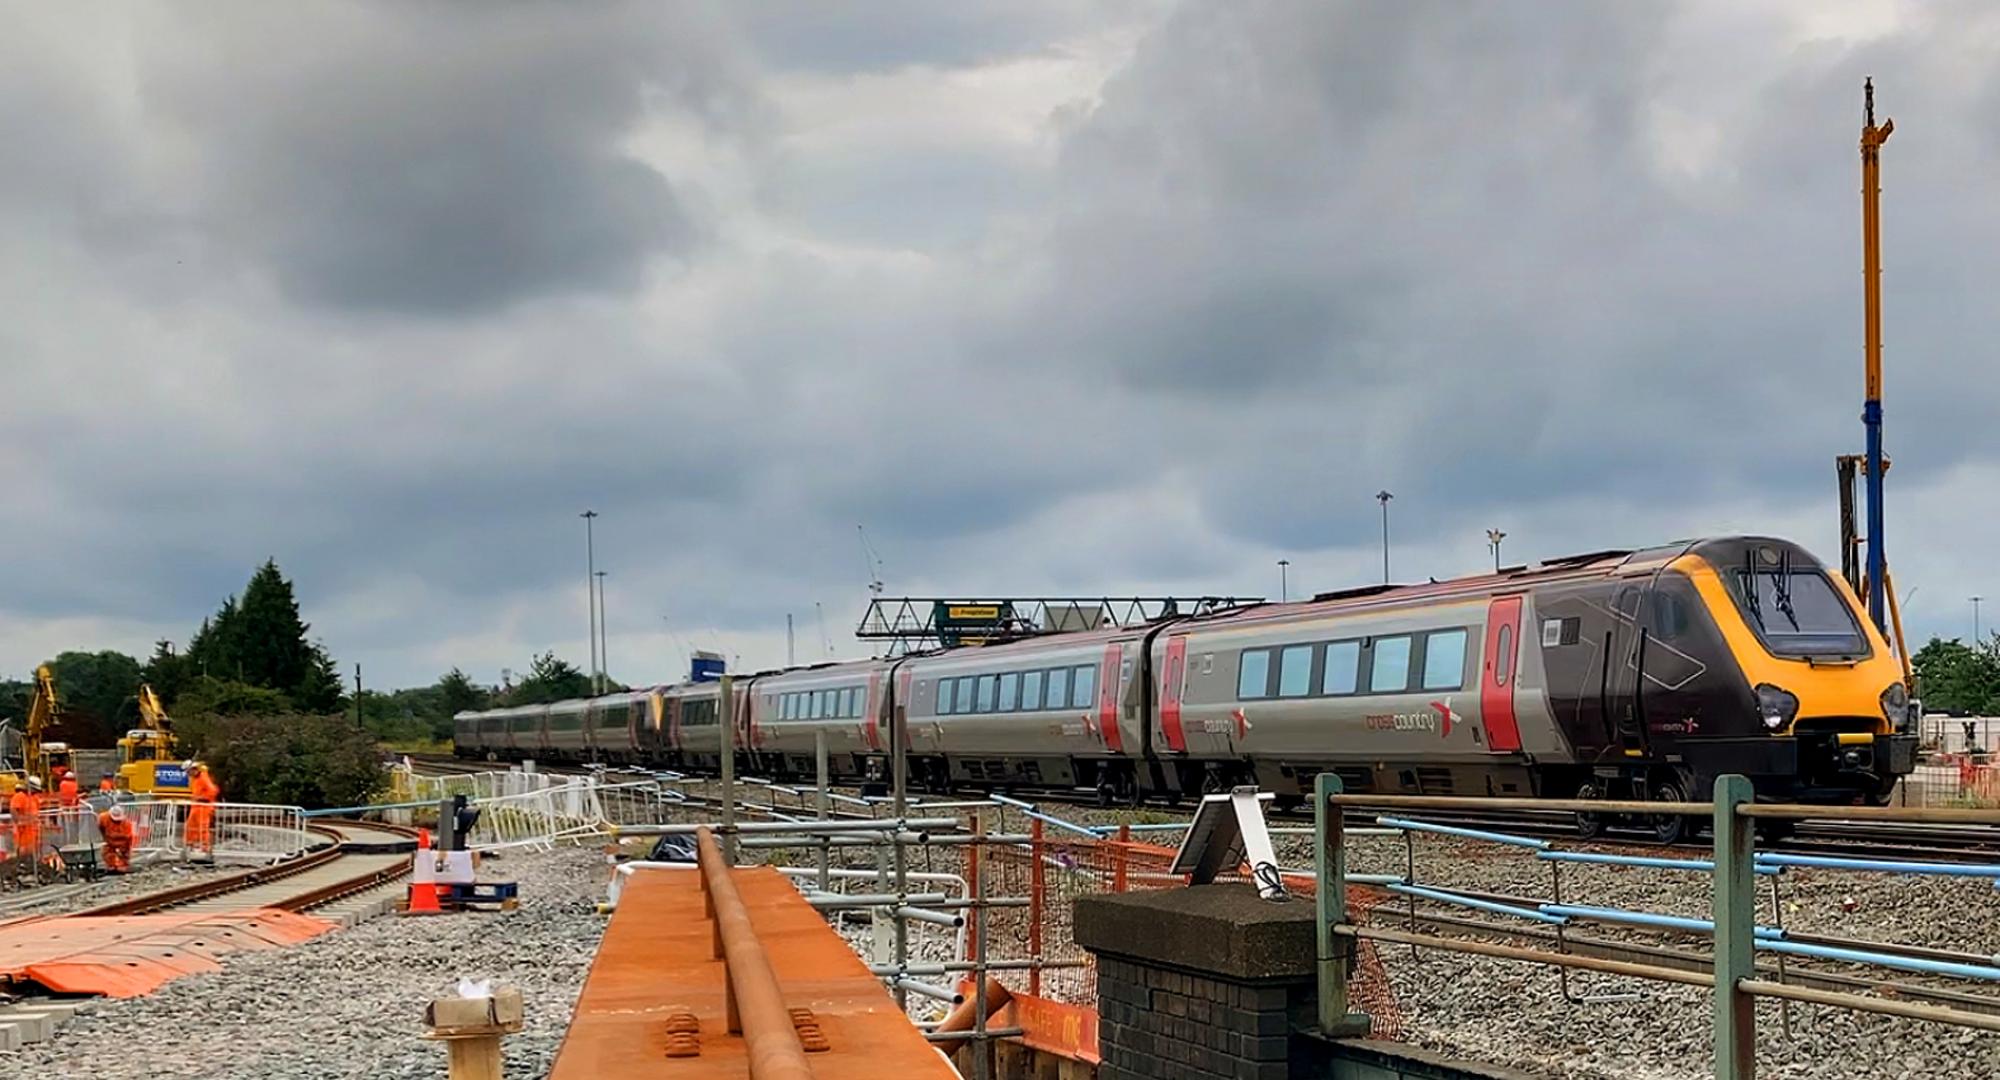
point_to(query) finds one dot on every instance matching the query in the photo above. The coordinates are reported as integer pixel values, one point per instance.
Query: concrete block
(28, 1025)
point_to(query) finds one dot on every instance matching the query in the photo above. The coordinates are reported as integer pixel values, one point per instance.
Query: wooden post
(471, 1029)
(1735, 931)
(1119, 873)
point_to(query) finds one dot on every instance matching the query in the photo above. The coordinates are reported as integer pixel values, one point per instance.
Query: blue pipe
(1832, 862)
(1470, 834)
(1878, 609)
(1443, 897)
(1703, 865)
(1888, 960)
(1046, 819)
(1647, 918)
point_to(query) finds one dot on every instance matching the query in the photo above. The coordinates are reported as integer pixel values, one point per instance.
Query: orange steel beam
(754, 1004)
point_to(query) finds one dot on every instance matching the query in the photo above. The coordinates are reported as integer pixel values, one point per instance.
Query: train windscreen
(1798, 613)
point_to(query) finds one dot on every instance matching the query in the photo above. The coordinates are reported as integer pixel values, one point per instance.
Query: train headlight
(1896, 706)
(1778, 706)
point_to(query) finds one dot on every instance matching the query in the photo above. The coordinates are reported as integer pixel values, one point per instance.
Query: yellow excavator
(39, 758)
(148, 763)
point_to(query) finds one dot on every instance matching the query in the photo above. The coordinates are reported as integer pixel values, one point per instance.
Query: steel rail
(163, 899)
(754, 1003)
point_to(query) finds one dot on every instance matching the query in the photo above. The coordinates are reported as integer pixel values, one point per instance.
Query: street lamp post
(1284, 580)
(590, 584)
(1493, 538)
(1383, 497)
(1975, 620)
(603, 637)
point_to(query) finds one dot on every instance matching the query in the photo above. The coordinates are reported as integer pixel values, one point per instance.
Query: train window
(961, 694)
(1343, 668)
(1010, 691)
(1391, 671)
(1058, 685)
(986, 693)
(1444, 660)
(1503, 664)
(944, 697)
(853, 702)
(1253, 674)
(1031, 690)
(1083, 687)
(1670, 617)
(1295, 665)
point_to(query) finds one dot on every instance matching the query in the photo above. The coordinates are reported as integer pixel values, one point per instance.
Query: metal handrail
(754, 1003)
(1734, 866)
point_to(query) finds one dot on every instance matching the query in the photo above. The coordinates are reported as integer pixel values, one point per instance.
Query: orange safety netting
(1053, 873)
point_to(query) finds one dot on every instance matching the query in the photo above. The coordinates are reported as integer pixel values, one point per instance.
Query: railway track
(1820, 836)
(351, 857)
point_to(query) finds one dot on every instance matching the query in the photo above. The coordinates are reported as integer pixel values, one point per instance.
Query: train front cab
(1832, 719)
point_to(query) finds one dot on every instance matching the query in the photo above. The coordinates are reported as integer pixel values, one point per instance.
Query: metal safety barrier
(1735, 869)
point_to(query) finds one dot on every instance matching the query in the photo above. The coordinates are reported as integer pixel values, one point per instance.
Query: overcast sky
(1050, 296)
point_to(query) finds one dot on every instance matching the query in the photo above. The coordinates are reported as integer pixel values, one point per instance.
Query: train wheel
(1589, 826)
(1214, 782)
(1669, 828)
(1106, 796)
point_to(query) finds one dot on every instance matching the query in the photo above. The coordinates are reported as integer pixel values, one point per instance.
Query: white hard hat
(117, 812)
(35, 782)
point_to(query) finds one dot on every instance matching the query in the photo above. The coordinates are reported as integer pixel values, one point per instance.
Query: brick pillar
(1203, 983)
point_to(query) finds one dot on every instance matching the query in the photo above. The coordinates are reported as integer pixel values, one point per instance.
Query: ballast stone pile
(350, 1004)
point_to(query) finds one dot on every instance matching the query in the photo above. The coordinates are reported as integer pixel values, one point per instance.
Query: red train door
(871, 713)
(1107, 699)
(1173, 677)
(1497, 673)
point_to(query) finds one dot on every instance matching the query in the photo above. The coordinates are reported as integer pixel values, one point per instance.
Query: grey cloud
(410, 159)
(1296, 253)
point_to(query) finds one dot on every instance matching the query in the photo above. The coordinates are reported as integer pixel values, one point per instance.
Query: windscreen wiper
(1750, 586)
(1781, 589)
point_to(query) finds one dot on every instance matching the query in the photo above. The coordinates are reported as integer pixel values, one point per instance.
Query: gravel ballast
(350, 1003)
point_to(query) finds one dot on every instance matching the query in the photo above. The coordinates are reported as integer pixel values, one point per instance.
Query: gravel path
(350, 1004)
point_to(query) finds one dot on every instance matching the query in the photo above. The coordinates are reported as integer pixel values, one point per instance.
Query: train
(1626, 674)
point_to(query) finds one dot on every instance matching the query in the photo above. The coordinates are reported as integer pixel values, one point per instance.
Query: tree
(99, 694)
(166, 672)
(461, 694)
(551, 678)
(320, 690)
(261, 640)
(1959, 678)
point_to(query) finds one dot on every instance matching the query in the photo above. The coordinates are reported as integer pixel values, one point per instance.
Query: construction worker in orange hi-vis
(201, 818)
(67, 793)
(106, 785)
(117, 833)
(23, 807)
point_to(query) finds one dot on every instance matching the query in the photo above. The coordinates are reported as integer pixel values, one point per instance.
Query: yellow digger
(39, 759)
(148, 763)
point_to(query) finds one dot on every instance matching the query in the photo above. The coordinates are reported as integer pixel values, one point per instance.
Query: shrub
(291, 759)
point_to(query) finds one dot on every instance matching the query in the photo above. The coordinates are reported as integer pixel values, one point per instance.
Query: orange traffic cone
(423, 900)
(424, 893)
